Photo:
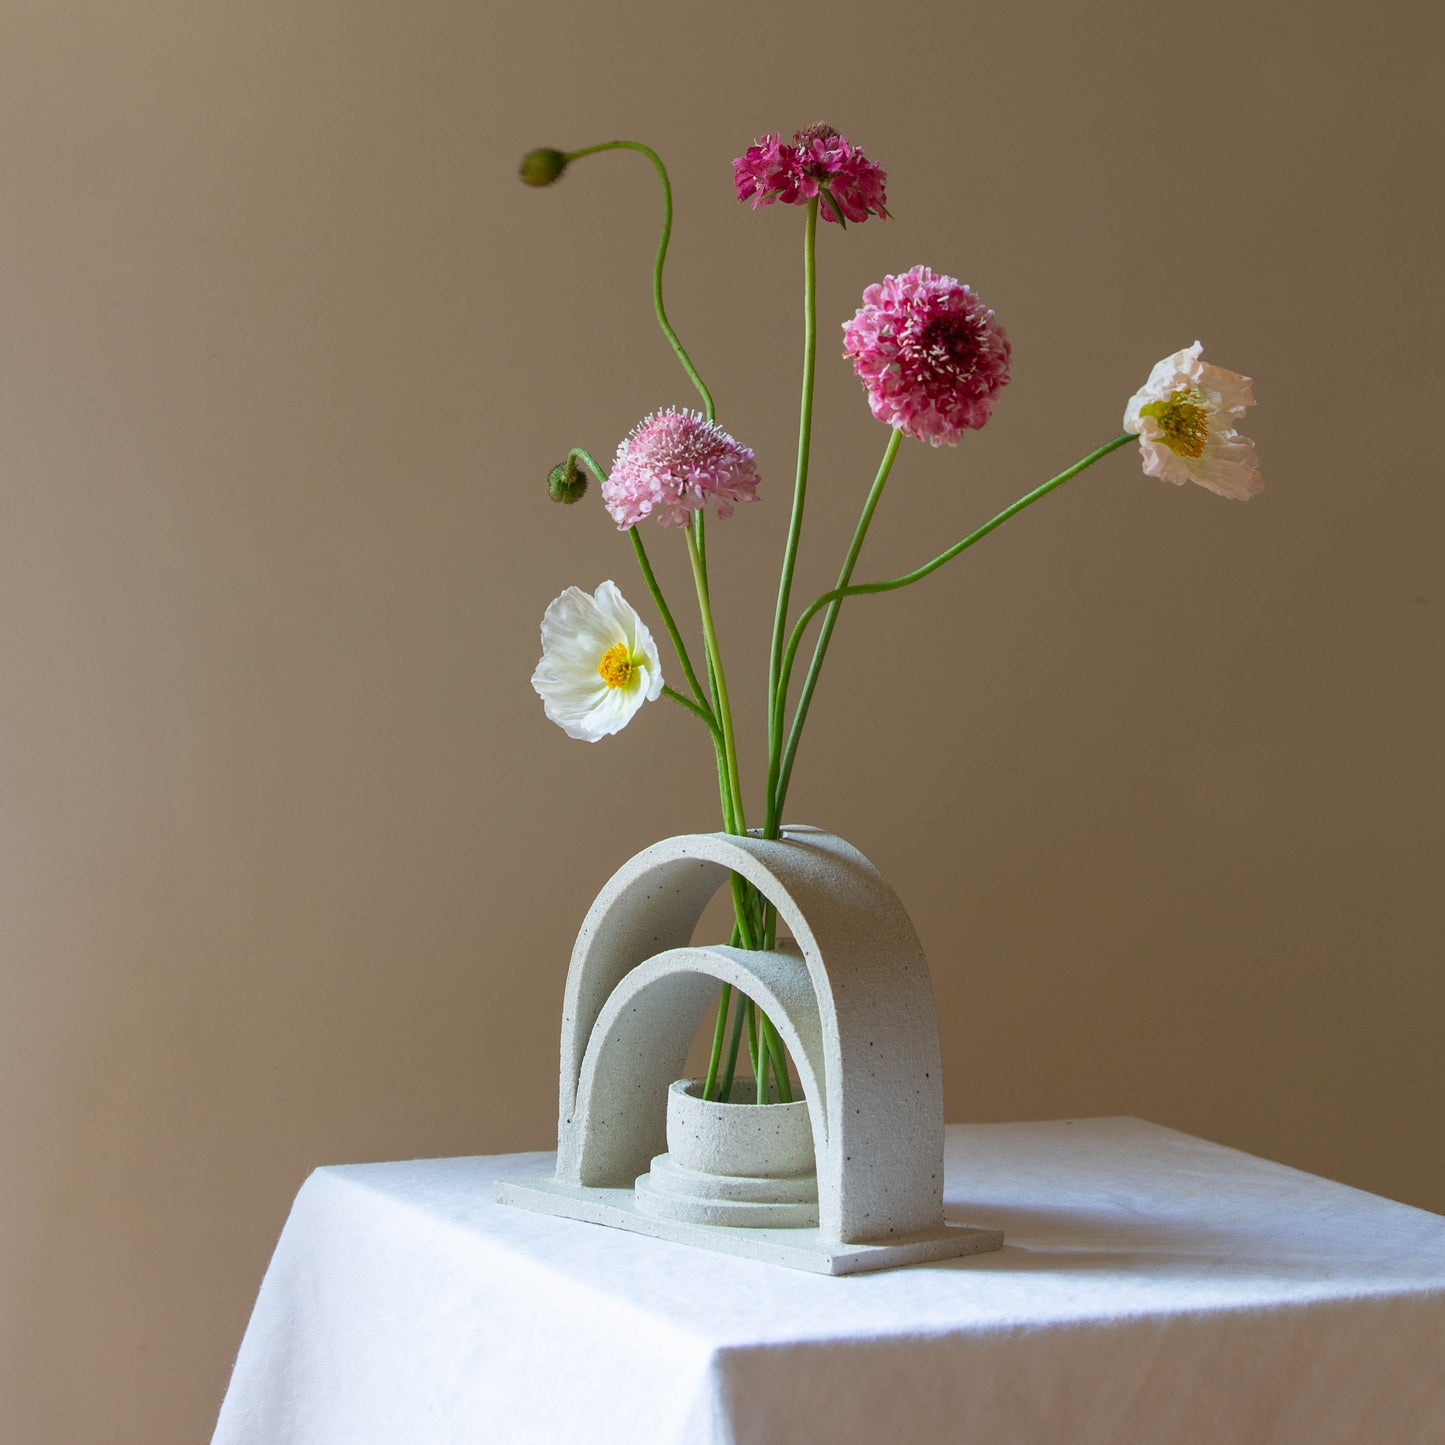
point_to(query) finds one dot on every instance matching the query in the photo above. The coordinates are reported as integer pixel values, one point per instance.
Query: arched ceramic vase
(850, 998)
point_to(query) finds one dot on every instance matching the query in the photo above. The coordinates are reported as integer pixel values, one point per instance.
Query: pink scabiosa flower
(1184, 418)
(671, 465)
(818, 162)
(930, 355)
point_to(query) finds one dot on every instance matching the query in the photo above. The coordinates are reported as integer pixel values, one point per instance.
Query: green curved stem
(678, 646)
(862, 588)
(631, 145)
(708, 721)
(780, 775)
(800, 492)
(583, 455)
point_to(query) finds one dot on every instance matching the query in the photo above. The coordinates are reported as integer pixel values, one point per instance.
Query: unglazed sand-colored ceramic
(850, 998)
(745, 1164)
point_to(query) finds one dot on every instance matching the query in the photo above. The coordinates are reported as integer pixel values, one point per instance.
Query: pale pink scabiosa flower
(930, 355)
(599, 663)
(671, 465)
(818, 161)
(1184, 418)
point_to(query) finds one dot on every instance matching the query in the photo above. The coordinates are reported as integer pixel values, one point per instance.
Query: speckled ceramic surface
(761, 1140)
(851, 1000)
(746, 1165)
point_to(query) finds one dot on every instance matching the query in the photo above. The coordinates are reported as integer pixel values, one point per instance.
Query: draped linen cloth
(1153, 1288)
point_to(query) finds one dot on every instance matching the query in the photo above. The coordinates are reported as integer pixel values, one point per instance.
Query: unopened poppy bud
(567, 483)
(542, 167)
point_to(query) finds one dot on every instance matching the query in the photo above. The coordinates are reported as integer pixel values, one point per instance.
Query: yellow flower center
(616, 667)
(1184, 420)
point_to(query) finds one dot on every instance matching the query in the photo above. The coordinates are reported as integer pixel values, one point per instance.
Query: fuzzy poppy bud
(542, 167)
(567, 483)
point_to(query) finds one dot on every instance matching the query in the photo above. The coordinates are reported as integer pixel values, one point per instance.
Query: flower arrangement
(933, 360)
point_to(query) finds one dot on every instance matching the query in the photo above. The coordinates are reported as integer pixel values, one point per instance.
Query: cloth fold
(1152, 1287)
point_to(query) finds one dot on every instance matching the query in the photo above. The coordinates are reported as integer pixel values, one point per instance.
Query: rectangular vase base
(796, 1248)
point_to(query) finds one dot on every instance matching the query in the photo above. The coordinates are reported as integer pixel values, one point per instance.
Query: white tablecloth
(1153, 1287)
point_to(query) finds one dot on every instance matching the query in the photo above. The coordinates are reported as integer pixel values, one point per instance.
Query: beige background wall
(291, 860)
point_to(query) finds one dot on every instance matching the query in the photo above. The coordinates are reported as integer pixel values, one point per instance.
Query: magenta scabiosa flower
(930, 355)
(818, 162)
(671, 465)
(768, 171)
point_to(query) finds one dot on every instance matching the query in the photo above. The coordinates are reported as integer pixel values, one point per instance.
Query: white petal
(614, 711)
(576, 631)
(622, 620)
(1160, 460)
(1235, 392)
(651, 664)
(568, 688)
(575, 622)
(1187, 365)
(579, 723)
(1229, 467)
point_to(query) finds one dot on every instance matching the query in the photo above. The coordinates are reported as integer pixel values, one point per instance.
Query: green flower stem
(780, 776)
(709, 721)
(719, 1033)
(737, 885)
(722, 783)
(724, 790)
(702, 709)
(920, 573)
(699, 519)
(725, 1087)
(740, 908)
(779, 1058)
(734, 818)
(667, 621)
(725, 773)
(800, 492)
(581, 454)
(724, 709)
(661, 258)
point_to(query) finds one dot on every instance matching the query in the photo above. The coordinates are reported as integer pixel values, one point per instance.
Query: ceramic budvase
(850, 997)
(748, 1165)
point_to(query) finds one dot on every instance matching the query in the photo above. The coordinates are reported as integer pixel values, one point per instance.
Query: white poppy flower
(1184, 417)
(599, 663)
